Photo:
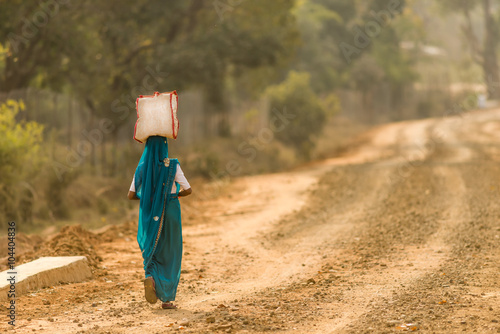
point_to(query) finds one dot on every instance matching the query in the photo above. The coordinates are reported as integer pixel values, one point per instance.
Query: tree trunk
(490, 61)
(396, 101)
(114, 150)
(367, 98)
(92, 146)
(104, 167)
(70, 122)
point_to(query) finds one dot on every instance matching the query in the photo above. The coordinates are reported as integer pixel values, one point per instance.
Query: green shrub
(20, 160)
(55, 194)
(306, 114)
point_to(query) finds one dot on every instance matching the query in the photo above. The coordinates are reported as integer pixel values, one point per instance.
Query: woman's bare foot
(168, 306)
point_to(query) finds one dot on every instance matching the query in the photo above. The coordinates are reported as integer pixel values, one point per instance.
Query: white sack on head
(156, 116)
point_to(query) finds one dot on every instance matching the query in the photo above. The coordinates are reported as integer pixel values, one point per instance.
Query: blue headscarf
(154, 178)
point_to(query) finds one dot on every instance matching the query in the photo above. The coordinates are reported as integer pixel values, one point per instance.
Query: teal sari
(160, 232)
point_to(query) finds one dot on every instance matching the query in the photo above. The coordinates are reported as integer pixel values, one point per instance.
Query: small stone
(210, 320)
(392, 323)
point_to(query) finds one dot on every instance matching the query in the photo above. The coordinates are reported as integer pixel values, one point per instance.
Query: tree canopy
(108, 52)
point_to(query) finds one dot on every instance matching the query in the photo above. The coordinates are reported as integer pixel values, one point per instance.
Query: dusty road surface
(402, 233)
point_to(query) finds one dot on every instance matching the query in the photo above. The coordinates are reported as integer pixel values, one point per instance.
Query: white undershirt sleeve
(179, 178)
(132, 186)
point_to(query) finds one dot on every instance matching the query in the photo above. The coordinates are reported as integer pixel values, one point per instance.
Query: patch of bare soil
(400, 234)
(70, 241)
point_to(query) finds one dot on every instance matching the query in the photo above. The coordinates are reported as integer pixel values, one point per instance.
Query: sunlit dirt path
(402, 233)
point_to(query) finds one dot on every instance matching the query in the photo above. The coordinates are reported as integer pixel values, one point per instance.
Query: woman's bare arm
(185, 192)
(132, 195)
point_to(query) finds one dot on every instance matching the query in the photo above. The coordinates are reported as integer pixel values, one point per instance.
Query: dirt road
(402, 233)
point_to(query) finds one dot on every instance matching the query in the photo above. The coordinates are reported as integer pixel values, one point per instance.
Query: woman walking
(157, 184)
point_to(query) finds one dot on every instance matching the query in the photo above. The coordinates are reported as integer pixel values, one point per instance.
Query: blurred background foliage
(70, 72)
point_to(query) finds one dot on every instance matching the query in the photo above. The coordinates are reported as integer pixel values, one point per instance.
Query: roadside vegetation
(263, 88)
